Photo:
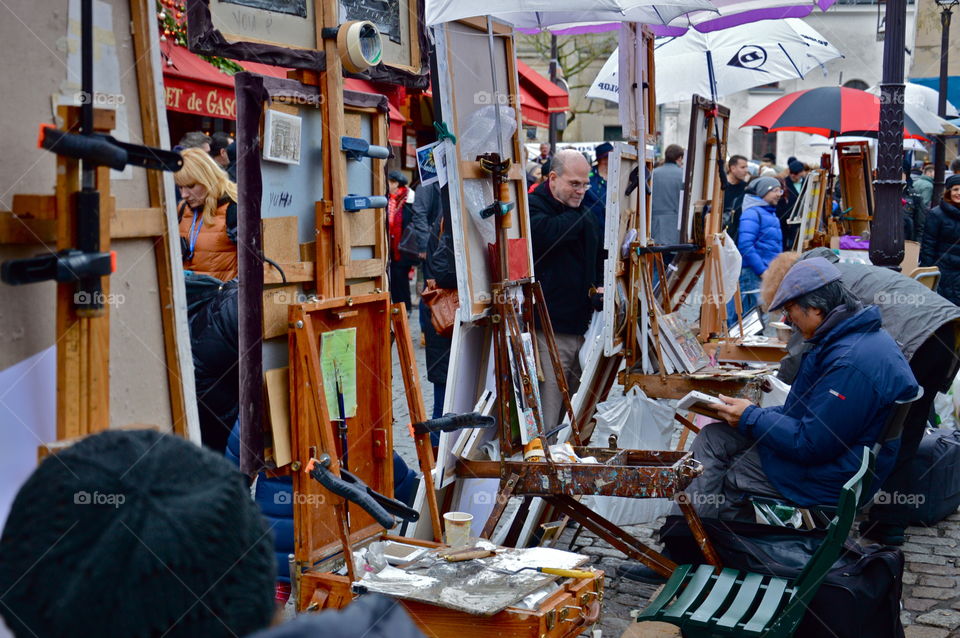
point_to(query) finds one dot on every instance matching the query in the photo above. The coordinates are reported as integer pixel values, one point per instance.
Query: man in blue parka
(806, 449)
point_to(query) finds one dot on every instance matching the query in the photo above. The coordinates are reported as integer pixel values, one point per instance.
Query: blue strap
(193, 236)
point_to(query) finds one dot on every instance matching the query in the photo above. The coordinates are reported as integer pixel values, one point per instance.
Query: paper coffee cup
(457, 528)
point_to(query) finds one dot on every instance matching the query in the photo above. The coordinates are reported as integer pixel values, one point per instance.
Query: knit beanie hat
(135, 533)
(762, 185)
(953, 180)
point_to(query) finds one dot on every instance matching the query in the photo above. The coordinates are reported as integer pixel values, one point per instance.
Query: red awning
(539, 97)
(195, 86)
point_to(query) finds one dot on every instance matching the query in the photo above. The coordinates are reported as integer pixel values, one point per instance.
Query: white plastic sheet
(777, 395)
(730, 263)
(640, 423)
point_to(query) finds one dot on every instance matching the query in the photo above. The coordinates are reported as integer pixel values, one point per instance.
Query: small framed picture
(281, 137)
(431, 162)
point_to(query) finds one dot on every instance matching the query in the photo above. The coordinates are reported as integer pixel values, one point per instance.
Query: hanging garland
(172, 18)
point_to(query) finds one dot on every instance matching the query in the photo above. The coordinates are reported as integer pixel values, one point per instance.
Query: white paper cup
(457, 527)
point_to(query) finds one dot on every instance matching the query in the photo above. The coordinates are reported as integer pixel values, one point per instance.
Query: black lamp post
(886, 230)
(939, 153)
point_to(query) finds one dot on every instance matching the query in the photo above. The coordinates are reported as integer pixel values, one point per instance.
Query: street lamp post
(939, 153)
(886, 230)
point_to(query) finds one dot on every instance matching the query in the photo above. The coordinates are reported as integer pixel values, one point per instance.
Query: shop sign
(200, 99)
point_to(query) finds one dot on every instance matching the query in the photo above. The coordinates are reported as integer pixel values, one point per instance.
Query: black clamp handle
(454, 422)
(348, 486)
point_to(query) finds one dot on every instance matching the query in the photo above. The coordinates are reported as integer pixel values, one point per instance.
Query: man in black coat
(568, 263)
(212, 316)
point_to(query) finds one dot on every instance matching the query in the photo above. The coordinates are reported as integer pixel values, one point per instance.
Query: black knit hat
(953, 180)
(135, 533)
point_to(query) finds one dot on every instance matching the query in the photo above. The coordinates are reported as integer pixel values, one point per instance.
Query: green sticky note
(338, 360)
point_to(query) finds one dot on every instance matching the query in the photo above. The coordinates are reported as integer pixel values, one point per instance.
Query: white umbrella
(539, 14)
(724, 62)
(920, 103)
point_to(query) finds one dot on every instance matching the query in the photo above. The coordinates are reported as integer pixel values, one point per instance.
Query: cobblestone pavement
(931, 596)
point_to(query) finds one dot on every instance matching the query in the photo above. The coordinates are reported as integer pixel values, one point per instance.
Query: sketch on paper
(281, 137)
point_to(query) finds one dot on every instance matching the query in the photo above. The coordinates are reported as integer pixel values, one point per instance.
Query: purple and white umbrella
(721, 14)
(725, 62)
(536, 15)
(732, 13)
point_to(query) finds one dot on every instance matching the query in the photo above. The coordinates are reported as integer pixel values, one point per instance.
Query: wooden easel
(623, 472)
(856, 186)
(83, 341)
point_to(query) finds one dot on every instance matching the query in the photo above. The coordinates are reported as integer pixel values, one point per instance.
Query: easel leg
(503, 497)
(411, 385)
(612, 534)
(699, 533)
(547, 328)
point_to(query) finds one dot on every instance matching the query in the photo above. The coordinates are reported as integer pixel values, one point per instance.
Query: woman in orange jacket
(208, 216)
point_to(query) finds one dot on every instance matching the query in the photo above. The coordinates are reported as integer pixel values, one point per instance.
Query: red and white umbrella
(829, 111)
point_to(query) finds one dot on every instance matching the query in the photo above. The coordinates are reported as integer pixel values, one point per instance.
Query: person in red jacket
(208, 216)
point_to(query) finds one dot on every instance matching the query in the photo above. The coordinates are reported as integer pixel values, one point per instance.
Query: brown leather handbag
(443, 304)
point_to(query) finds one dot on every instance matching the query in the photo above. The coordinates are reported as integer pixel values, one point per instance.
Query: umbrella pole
(711, 76)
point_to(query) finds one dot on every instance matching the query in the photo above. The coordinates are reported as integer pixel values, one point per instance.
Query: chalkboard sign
(383, 13)
(290, 7)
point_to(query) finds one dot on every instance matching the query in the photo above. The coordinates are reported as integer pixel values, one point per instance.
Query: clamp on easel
(81, 263)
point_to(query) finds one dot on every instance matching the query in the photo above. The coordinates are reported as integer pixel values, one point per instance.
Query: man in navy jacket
(806, 449)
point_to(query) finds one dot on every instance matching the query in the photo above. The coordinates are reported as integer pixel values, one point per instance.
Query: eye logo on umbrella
(749, 57)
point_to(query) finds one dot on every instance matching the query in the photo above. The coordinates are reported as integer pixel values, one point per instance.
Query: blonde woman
(208, 216)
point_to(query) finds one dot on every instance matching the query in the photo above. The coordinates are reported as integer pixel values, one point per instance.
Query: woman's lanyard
(194, 235)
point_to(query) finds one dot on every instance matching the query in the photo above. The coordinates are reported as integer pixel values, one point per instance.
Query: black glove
(596, 300)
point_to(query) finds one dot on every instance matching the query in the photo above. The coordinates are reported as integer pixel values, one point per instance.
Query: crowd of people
(198, 549)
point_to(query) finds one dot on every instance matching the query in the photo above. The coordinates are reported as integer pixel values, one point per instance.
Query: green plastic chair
(738, 603)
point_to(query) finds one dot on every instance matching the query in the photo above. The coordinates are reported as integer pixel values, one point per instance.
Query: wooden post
(83, 342)
(142, 18)
(331, 280)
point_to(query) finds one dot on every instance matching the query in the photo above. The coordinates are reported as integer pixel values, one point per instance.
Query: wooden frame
(701, 176)
(706, 152)
(247, 33)
(42, 218)
(204, 37)
(415, 62)
(319, 532)
(324, 233)
(624, 213)
(457, 78)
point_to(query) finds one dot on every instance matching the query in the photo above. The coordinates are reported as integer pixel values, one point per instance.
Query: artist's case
(323, 522)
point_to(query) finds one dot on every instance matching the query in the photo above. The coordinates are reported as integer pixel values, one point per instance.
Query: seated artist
(136, 533)
(923, 324)
(805, 450)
